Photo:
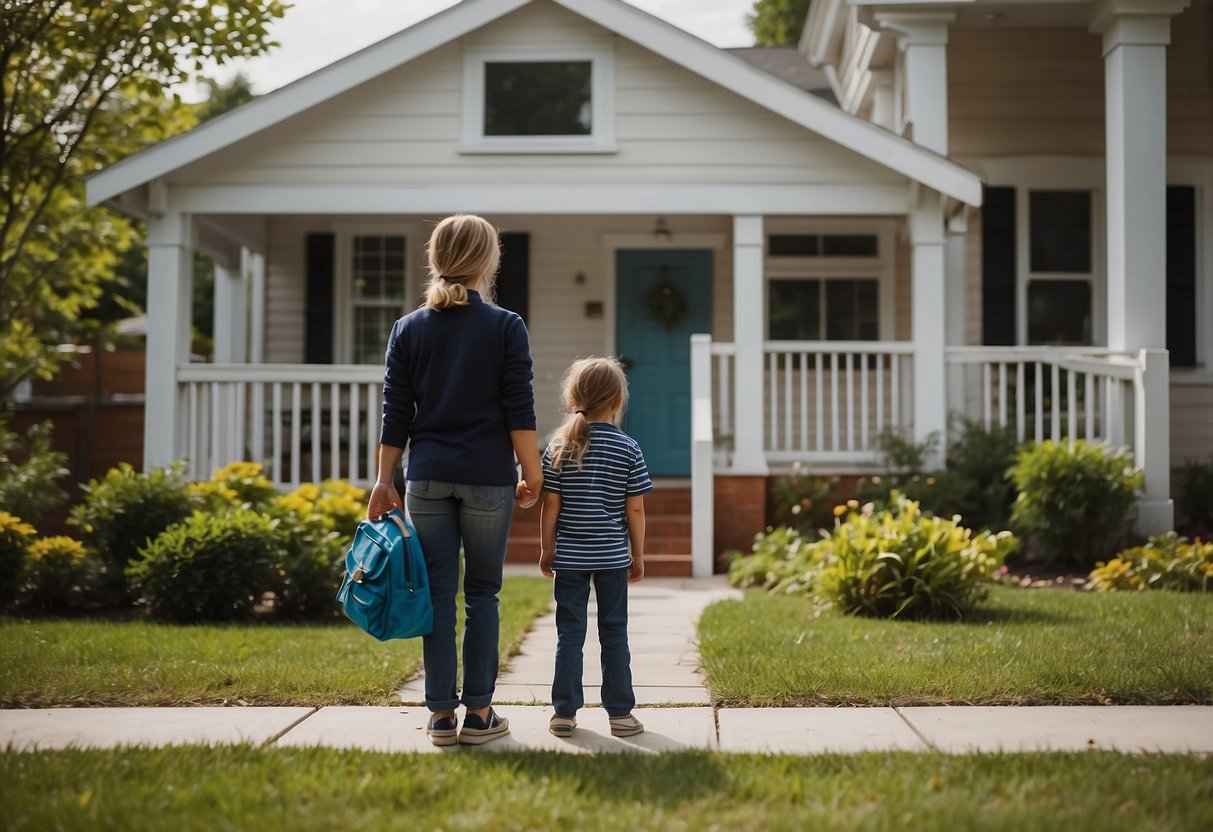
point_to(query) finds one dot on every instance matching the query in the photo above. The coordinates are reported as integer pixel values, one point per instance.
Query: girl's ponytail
(462, 249)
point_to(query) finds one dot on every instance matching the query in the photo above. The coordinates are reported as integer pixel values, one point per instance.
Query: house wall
(404, 127)
(1022, 92)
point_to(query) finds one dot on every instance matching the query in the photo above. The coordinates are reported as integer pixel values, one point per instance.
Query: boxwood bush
(60, 575)
(210, 566)
(1167, 561)
(780, 560)
(125, 510)
(1074, 500)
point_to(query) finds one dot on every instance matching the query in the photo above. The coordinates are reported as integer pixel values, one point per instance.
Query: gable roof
(686, 50)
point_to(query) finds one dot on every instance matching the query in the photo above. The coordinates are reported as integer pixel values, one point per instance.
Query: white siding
(404, 128)
(1191, 423)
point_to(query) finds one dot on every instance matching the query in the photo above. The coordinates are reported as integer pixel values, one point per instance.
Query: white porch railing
(304, 422)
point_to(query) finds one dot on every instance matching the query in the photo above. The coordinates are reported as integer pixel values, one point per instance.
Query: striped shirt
(592, 529)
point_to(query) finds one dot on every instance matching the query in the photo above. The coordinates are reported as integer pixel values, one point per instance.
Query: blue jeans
(478, 517)
(572, 593)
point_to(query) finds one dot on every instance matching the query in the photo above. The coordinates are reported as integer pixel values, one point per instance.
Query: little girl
(594, 479)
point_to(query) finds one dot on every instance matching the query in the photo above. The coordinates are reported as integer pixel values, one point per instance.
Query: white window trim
(1097, 277)
(880, 267)
(602, 91)
(343, 307)
(1197, 173)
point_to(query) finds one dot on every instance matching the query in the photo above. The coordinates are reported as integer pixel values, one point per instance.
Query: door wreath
(666, 304)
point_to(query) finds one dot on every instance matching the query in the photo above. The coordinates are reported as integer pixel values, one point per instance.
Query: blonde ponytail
(462, 249)
(589, 388)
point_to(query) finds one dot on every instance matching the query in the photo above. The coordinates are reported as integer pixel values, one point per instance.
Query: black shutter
(513, 277)
(998, 267)
(318, 319)
(1181, 275)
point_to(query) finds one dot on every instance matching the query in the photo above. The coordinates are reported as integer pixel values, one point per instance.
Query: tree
(85, 84)
(778, 22)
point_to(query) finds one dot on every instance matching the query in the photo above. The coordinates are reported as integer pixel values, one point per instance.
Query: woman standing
(457, 391)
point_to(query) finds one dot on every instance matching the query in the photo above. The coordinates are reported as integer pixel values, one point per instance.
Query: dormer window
(538, 100)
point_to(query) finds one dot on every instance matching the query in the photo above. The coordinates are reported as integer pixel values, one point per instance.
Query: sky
(314, 33)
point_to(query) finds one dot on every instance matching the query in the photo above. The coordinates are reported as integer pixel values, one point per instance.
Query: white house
(833, 261)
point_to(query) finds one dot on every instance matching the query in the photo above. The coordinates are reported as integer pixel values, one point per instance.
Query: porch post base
(1155, 517)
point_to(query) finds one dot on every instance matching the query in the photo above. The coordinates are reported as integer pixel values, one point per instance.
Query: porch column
(253, 264)
(922, 38)
(954, 314)
(170, 279)
(749, 294)
(927, 300)
(231, 314)
(1135, 37)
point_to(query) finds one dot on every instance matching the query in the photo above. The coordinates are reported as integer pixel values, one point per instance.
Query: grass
(46, 663)
(1025, 647)
(321, 789)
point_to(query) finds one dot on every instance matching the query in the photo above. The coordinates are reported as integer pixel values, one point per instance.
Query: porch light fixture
(661, 231)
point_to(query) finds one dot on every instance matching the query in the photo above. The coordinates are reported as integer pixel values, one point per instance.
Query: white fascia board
(820, 117)
(824, 200)
(821, 40)
(297, 97)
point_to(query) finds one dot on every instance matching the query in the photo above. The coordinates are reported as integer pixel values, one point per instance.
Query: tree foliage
(85, 84)
(778, 22)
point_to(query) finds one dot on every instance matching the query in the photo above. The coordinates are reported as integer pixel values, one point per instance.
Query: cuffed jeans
(572, 593)
(447, 515)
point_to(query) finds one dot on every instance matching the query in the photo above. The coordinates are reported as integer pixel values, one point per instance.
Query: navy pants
(572, 593)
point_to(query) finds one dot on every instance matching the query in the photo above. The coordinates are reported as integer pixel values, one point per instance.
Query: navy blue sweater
(457, 381)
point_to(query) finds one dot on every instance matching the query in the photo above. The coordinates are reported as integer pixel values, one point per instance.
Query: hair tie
(453, 279)
(582, 412)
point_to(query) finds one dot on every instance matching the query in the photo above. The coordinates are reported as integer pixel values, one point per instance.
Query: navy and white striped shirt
(592, 529)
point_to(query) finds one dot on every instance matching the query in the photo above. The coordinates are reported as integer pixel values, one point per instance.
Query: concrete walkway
(672, 703)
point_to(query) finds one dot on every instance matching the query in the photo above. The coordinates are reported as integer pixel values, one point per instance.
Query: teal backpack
(386, 589)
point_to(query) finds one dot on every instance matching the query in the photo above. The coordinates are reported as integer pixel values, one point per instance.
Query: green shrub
(1168, 561)
(236, 485)
(1195, 500)
(781, 560)
(30, 488)
(802, 501)
(15, 535)
(317, 523)
(209, 567)
(1074, 499)
(904, 564)
(60, 575)
(125, 510)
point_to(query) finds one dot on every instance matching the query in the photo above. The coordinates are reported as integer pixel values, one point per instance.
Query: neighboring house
(651, 187)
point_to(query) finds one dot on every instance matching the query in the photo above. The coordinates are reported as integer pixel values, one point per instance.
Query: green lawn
(87, 662)
(1022, 647)
(320, 789)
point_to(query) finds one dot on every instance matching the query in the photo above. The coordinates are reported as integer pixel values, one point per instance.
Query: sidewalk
(672, 703)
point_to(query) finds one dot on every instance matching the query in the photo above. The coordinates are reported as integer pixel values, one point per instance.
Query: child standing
(594, 481)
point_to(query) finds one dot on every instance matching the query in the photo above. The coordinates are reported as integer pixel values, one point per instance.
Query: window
(372, 279)
(1060, 301)
(828, 281)
(538, 99)
(845, 309)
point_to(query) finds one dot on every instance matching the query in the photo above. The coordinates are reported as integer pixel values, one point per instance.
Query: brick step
(667, 566)
(523, 549)
(659, 525)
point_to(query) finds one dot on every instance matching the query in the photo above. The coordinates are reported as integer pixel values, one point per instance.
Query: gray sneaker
(477, 731)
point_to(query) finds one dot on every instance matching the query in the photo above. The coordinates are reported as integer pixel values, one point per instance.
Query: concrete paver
(1127, 728)
(56, 728)
(815, 730)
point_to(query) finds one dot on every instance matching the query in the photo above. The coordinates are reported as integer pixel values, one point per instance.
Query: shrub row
(1167, 561)
(218, 549)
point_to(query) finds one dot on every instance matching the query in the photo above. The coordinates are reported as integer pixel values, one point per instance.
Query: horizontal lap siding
(1191, 423)
(404, 128)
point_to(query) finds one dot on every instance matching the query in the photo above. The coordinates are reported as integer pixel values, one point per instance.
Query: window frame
(1096, 278)
(601, 139)
(345, 303)
(879, 268)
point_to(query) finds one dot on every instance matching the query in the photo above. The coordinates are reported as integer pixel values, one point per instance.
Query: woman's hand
(528, 490)
(384, 498)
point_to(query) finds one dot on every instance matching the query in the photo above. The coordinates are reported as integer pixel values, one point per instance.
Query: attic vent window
(539, 99)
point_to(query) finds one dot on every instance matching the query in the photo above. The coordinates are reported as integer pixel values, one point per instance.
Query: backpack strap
(400, 524)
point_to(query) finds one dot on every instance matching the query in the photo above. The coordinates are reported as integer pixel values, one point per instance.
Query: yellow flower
(839, 511)
(14, 524)
(60, 545)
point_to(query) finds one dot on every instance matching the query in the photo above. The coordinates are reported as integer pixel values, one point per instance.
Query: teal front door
(663, 297)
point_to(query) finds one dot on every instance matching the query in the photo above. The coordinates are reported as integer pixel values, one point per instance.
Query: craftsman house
(1001, 209)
